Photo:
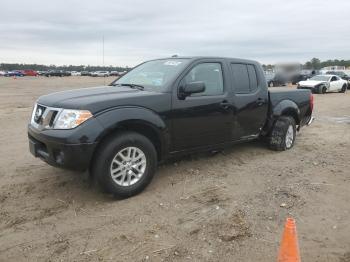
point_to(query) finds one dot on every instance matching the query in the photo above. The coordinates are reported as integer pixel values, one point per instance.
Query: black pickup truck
(159, 109)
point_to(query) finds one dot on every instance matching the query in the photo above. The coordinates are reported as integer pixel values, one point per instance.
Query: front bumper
(311, 88)
(70, 149)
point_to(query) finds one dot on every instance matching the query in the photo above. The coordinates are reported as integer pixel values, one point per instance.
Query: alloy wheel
(128, 166)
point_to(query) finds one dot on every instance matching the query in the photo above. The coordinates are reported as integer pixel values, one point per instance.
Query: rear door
(250, 100)
(202, 119)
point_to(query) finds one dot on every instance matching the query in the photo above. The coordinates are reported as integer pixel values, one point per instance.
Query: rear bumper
(63, 150)
(310, 121)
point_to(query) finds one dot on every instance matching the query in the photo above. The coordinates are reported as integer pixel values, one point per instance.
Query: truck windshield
(153, 74)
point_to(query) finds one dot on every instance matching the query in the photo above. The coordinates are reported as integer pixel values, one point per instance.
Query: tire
(283, 134)
(324, 89)
(343, 89)
(126, 183)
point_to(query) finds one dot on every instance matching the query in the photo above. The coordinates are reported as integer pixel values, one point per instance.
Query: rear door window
(241, 78)
(245, 78)
(253, 80)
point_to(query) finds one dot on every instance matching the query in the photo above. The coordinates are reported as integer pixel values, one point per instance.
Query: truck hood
(311, 83)
(100, 98)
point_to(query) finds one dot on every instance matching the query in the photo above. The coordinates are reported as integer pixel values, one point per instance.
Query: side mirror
(191, 88)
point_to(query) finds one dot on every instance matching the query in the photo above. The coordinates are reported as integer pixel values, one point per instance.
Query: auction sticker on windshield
(172, 63)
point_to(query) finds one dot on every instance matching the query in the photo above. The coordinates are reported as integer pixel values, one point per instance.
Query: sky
(270, 31)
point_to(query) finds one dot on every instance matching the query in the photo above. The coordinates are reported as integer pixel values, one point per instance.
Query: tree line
(38, 67)
(316, 63)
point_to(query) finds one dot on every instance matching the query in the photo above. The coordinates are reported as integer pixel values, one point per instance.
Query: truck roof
(238, 60)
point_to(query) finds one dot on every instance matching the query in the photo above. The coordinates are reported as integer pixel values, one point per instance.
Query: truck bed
(300, 97)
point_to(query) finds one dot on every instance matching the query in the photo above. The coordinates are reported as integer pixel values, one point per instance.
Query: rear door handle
(260, 101)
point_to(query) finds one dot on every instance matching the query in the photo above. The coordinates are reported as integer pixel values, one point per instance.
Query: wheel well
(141, 128)
(148, 132)
(292, 113)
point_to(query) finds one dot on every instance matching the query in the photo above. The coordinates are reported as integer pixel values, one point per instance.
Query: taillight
(311, 102)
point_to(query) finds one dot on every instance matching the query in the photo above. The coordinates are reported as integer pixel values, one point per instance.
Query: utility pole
(103, 56)
(103, 50)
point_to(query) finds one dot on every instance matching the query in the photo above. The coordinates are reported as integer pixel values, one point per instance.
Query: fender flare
(287, 107)
(115, 118)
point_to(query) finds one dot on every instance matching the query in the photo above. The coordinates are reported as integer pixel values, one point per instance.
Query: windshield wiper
(134, 86)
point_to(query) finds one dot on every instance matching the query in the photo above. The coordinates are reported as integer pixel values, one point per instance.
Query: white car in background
(2, 73)
(322, 84)
(100, 73)
(75, 73)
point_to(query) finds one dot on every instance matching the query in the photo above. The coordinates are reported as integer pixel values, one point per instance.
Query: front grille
(53, 117)
(38, 114)
(305, 87)
(44, 116)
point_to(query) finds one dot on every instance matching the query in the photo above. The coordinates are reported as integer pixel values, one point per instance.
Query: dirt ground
(230, 206)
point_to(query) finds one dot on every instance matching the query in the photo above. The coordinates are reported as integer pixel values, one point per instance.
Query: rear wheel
(125, 164)
(283, 134)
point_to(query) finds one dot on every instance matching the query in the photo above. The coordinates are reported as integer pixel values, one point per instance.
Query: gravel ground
(230, 206)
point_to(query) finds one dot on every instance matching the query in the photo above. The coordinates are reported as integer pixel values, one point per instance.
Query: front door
(202, 119)
(335, 83)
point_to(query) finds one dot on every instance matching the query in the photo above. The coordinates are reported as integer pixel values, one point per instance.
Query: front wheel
(283, 134)
(343, 89)
(125, 164)
(322, 89)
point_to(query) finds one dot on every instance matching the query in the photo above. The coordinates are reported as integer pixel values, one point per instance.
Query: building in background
(332, 68)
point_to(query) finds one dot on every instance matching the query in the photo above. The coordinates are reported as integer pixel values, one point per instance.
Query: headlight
(68, 118)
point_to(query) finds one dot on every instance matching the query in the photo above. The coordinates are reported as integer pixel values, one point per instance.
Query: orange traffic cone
(289, 249)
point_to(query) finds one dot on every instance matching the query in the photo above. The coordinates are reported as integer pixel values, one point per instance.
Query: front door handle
(225, 104)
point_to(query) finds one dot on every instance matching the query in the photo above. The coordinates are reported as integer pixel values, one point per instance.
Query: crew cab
(160, 109)
(324, 83)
